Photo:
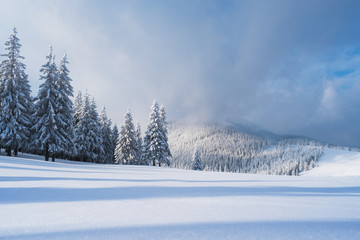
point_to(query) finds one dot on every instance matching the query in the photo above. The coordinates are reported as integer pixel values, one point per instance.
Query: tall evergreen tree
(48, 136)
(78, 108)
(127, 146)
(106, 133)
(65, 109)
(166, 154)
(99, 147)
(145, 157)
(196, 165)
(155, 145)
(115, 137)
(88, 140)
(15, 98)
(139, 146)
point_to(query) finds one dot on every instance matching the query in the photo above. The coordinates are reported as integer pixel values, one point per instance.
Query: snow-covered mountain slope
(237, 148)
(337, 162)
(70, 200)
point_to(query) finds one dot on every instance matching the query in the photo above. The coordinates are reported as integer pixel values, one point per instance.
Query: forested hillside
(233, 148)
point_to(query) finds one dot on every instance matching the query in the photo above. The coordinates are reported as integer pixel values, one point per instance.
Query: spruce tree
(145, 157)
(115, 137)
(65, 109)
(154, 141)
(15, 98)
(106, 133)
(164, 132)
(127, 146)
(196, 165)
(88, 140)
(99, 146)
(48, 136)
(139, 146)
(78, 108)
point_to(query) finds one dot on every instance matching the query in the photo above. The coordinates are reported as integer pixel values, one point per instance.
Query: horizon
(288, 67)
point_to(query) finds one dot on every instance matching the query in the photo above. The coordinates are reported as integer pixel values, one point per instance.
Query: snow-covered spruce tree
(15, 98)
(139, 146)
(64, 109)
(106, 133)
(127, 146)
(154, 141)
(145, 156)
(49, 137)
(88, 140)
(167, 154)
(114, 137)
(196, 159)
(78, 108)
(99, 147)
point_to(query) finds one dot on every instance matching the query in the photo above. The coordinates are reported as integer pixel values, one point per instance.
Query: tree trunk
(47, 152)
(154, 163)
(8, 151)
(159, 163)
(15, 151)
(53, 157)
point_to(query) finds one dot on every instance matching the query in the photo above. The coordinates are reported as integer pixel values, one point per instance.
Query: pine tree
(145, 157)
(127, 146)
(98, 147)
(65, 109)
(88, 141)
(140, 146)
(155, 146)
(77, 108)
(166, 154)
(196, 159)
(106, 133)
(15, 98)
(115, 137)
(48, 136)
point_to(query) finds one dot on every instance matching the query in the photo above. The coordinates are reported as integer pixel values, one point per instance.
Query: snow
(72, 200)
(336, 162)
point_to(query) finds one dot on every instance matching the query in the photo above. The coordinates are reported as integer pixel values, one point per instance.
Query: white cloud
(328, 106)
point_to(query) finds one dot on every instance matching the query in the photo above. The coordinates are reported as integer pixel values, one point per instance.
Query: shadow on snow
(40, 194)
(280, 230)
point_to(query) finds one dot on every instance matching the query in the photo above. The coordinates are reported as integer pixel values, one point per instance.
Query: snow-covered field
(70, 200)
(337, 163)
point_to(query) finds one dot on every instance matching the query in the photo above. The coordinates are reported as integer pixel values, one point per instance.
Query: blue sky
(288, 66)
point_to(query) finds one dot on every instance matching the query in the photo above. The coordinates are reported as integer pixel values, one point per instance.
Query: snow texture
(75, 200)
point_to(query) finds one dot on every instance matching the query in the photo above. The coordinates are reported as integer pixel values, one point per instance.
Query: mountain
(229, 147)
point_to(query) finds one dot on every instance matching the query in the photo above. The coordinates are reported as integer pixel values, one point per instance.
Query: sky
(291, 67)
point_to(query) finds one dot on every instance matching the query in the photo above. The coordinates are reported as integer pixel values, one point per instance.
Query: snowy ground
(337, 163)
(68, 200)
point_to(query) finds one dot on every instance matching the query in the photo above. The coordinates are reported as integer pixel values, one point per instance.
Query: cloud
(261, 61)
(328, 106)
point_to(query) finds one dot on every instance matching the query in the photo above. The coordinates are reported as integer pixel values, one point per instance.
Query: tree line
(52, 125)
